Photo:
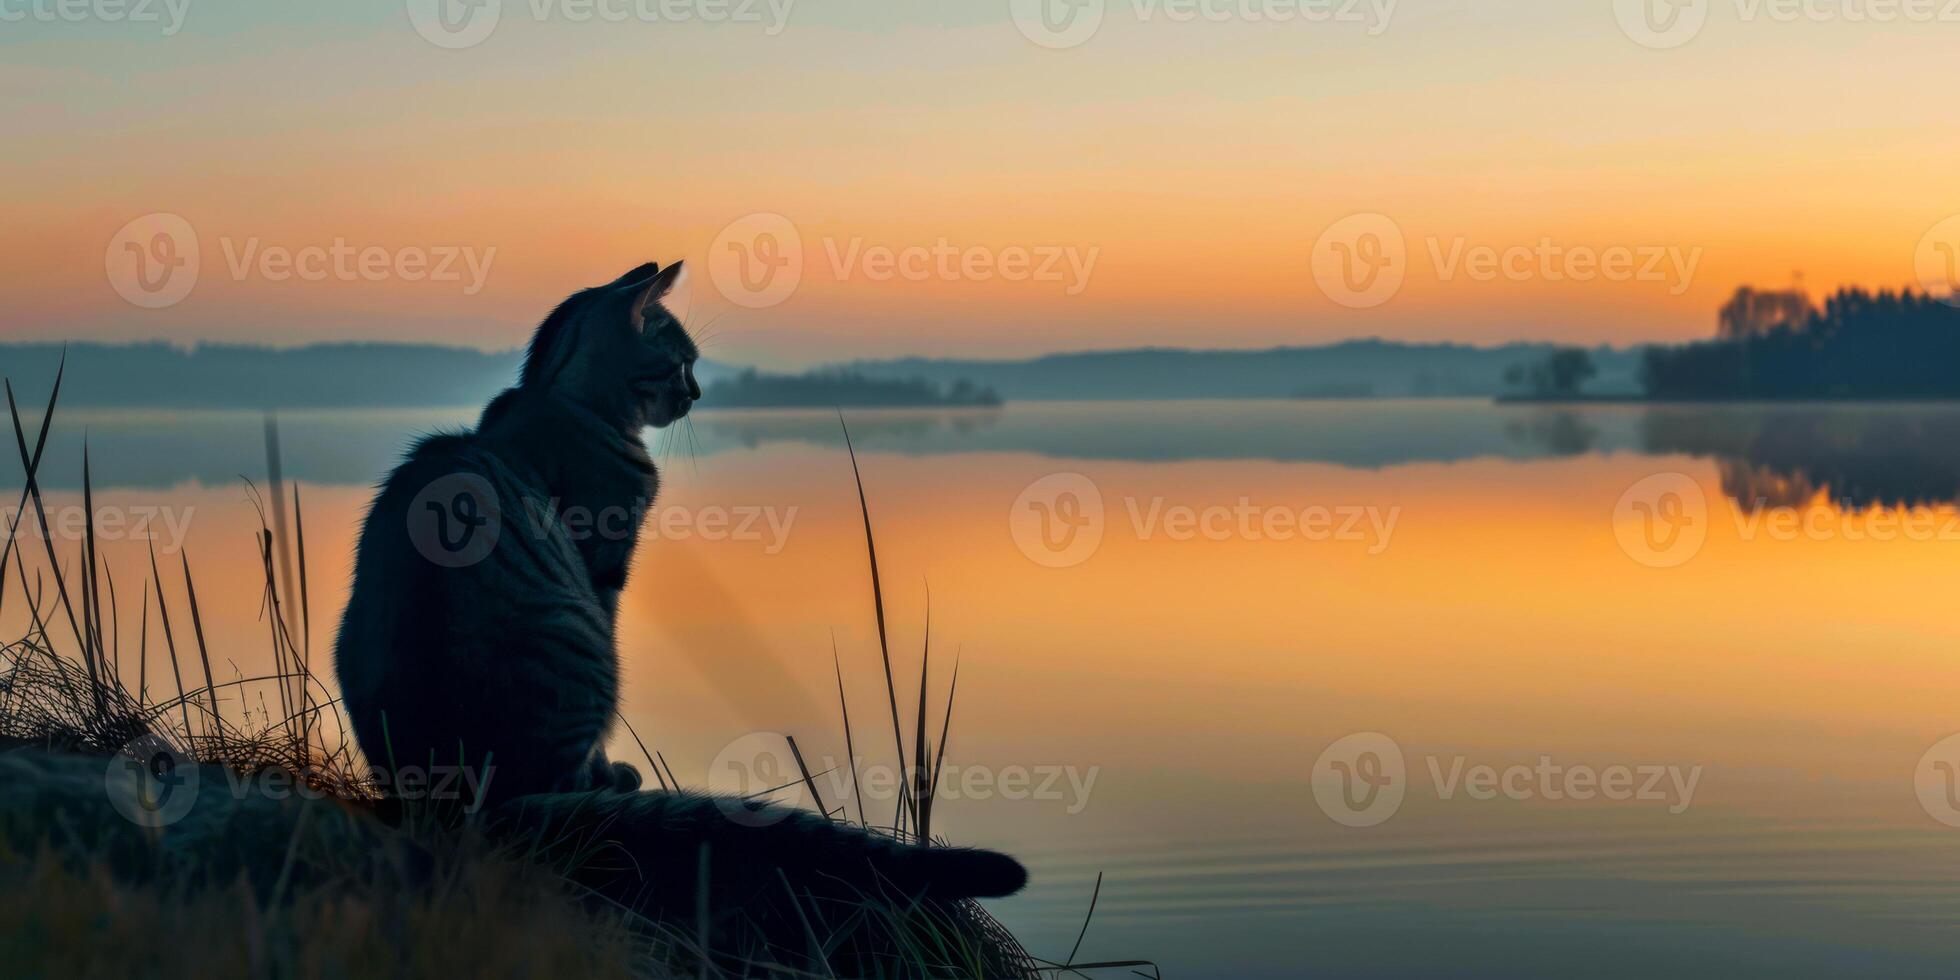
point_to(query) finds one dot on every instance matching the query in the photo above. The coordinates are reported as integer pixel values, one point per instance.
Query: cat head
(616, 350)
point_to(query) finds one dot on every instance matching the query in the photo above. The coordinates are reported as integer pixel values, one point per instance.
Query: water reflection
(1506, 624)
(1852, 456)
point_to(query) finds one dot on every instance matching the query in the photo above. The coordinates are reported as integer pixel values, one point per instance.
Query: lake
(1361, 688)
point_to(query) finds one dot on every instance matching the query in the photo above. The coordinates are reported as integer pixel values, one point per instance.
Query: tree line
(1860, 344)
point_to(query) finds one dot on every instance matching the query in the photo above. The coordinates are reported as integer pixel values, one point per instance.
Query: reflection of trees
(752, 429)
(1857, 457)
(1563, 433)
(1755, 487)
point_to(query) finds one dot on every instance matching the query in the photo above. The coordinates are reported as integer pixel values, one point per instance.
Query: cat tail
(750, 847)
(949, 873)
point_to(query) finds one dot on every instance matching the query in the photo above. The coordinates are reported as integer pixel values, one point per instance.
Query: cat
(480, 630)
(479, 633)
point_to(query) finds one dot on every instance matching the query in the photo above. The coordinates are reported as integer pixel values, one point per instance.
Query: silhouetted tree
(1559, 375)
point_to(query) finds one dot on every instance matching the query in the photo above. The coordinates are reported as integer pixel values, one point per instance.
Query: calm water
(1615, 691)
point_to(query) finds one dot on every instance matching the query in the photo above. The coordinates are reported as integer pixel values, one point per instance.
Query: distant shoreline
(1740, 400)
(375, 375)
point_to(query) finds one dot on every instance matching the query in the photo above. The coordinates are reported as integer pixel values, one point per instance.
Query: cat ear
(657, 290)
(638, 274)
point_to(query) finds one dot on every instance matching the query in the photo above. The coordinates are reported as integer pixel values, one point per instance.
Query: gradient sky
(1199, 161)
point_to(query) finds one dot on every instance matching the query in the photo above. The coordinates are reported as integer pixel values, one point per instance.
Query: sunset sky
(1174, 174)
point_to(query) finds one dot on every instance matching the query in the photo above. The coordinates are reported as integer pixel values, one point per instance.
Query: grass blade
(945, 729)
(203, 651)
(40, 443)
(54, 561)
(922, 807)
(170, 643)
(878, 603)
(809, 782)
(1085, 920)
(850, 743)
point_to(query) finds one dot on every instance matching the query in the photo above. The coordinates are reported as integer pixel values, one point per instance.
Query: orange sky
(1195, 163)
